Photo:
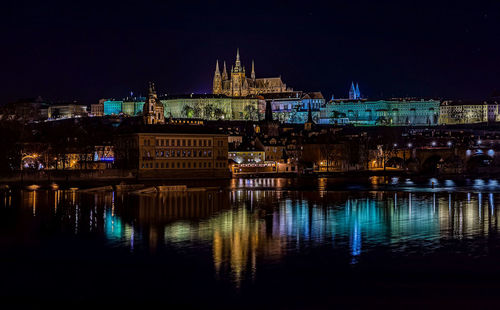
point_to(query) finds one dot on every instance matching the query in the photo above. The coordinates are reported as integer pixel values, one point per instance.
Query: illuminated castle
(238, 85)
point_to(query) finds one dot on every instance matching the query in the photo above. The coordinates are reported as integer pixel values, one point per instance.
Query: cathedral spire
(358, 94)
(217, 72)
(253, 71)
(224, 72)
(352, 92)
(217, 85)
(237, 66)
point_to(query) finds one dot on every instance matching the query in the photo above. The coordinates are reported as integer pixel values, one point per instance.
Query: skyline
(88, 52)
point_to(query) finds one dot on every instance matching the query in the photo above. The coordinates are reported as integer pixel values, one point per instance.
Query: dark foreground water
(257, 243)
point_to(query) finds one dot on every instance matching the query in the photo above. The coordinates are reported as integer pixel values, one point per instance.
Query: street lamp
(433, 143)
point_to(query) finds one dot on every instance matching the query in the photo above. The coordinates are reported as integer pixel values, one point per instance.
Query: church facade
(153, 110)
(237, 84)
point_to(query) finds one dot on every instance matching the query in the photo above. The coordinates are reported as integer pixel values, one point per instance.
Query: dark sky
(90, 50)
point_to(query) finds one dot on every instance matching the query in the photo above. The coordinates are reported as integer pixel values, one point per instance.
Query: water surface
(268, 243)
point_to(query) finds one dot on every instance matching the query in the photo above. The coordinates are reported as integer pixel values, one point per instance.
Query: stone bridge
(450, 159)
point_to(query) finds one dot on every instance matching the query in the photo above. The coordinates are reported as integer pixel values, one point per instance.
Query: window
(178, 142)
(194, 165)
(166, 165)
(183, 165)
(209, 142)
(183, 142)
(178, 164)
(189, 142)
(156, 165)
(167, 142)
(189, 165)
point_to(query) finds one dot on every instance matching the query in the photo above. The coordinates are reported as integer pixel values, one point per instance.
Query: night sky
(90, 50)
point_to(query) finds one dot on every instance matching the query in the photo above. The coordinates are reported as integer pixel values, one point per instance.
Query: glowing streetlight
(433, 143)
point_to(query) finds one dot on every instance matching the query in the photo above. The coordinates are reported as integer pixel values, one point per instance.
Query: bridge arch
(395, 162)
(432, 163)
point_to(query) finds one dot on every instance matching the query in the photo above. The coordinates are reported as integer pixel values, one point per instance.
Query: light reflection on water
(245, 226)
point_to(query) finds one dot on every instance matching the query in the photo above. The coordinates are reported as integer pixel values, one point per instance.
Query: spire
(217, 85)
(358, 94)
(253, 71)
(352, 91)
(217, 72)
(237, 66)
(224, 73)
(151, 88)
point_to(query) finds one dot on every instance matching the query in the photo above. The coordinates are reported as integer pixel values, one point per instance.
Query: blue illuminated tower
(352, 92)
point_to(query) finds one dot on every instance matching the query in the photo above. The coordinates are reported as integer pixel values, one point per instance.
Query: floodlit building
(153, 110)
(395, 112)
(239, 85)
(173, 151)
(462, 112)
(70, 110)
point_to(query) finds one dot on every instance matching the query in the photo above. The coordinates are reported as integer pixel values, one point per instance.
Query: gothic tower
(217, 86)
(352, 92)
(358, 94)
(253, 71)
(238, 77)
(224, 73)
(153, 111)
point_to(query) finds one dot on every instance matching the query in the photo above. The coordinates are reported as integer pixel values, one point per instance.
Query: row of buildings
(290, 107)
(238, 97)
(152, 147)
